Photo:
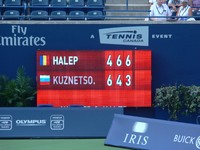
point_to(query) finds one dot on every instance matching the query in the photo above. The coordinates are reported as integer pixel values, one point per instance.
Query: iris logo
(137, 136)
(137, 36)
(198, 142)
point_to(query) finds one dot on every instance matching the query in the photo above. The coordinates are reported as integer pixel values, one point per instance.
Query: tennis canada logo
(137, 137)
(135, 36)
(186, 139)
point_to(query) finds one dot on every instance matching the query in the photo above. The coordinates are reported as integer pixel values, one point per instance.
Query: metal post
(126, 4)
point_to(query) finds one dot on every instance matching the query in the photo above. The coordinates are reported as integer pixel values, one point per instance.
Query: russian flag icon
(44, 79)
(44, 60)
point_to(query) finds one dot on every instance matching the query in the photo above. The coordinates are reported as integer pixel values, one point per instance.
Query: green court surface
(55, 144)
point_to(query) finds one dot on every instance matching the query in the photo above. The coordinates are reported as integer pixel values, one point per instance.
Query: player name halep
(72, 80)
(65, 60)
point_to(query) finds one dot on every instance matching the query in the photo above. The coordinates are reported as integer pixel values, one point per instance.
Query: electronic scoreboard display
(94, 78)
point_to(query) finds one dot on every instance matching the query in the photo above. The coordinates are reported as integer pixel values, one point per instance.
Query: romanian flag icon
(44, 79)
(44, 60)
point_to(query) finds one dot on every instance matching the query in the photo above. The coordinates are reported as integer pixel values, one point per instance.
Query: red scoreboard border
(94, 78)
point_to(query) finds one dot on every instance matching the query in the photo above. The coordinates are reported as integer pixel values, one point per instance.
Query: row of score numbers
(119, 59)
(119, 80)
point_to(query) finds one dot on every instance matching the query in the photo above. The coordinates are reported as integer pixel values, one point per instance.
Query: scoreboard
(94, 78)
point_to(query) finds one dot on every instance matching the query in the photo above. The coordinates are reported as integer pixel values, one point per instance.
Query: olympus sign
(31, 122)
(19, 37)
(137, 36)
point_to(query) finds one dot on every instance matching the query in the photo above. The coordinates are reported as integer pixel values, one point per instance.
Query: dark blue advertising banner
(56, 122)
(152, 134)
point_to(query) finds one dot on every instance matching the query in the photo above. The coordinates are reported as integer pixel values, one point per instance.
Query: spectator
(185, 11)
(174, 5)
(159, 9)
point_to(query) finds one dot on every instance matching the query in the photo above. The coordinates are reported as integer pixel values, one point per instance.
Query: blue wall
(175, 59)
(175, 47)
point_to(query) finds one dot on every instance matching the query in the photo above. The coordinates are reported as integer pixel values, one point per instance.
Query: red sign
(94, 78)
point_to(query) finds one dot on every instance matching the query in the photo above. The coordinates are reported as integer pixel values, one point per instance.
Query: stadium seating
(95, 3)
(76, 15)
(39, 15)
(58, 15)
(57, 8)
(11, 15)
(1, 2)
(58, 2)
(12, 2)
(39, 2)
(196, 14)
(12, 9)
(111, 7)
(95, 15)
(76, 3)
(53, 9)
(39, 10)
